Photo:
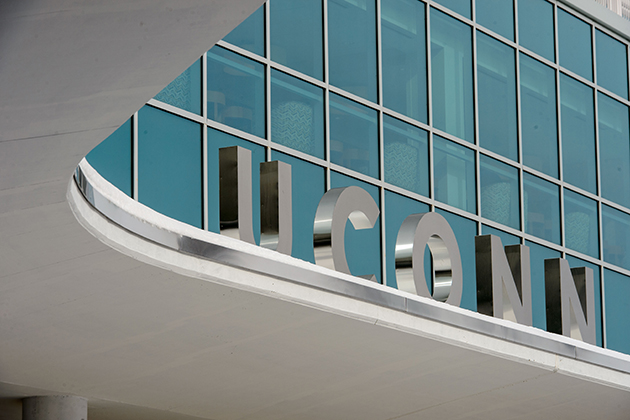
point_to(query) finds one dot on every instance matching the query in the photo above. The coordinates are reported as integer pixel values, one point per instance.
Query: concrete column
(54, 407)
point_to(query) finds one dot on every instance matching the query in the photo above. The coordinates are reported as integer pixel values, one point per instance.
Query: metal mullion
(494, 35)
(353, 97)
(602, 290)
(381, 140)
(326, 92)
(236, 132)
(476, 117)
(427, 37)
(519, 125)
(267, 83)
(357, 175)
(135, 155)
(297, 74)
(559, 126)
(405, 119)
(451, 13)
(241, 51)
(191, 116)
(204, 138)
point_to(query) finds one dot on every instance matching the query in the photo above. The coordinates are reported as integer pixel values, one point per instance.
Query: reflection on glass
(297, 114)
(250, 34)
(616, 292)
(614, 150)
(459, 6)
(169, 172)
(535, 27)
(538, 116)
(496, 15)
(612, 64)
(578, 134)
(454, 173)
(496, 96)
(353, 136)
(236, 91)
(542, 208)
(352, 46)
(185, 91)
(452, 82)
(406, 155)
(616, 234)
(580, 224)
(404, 57)
(296, 35)
(499, 192)
(574, 44)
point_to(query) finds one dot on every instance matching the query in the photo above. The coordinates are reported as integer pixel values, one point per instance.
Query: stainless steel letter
(235, 193)
(276, 224)
(416, 232)
(570, 296)
(504, 286)
(334, 209)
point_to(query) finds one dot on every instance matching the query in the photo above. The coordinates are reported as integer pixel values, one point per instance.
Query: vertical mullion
(267, 33)
(559, 127)
(476, 118)
(379, 78)
(519, 125)
(135, 156)
(326, 93)
(204, 137)
(429, 105)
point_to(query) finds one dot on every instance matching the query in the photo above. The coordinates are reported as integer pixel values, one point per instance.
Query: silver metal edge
(314, 279)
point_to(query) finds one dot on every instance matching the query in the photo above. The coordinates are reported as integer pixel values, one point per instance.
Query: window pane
(112, 158)
(185, 91)
(538, 116)
(459, 6)
(535, 27)
(308, 184)
(454, 168)
(451, 82)
(576, 262)
(574, 44)
(398, 208)
(363, 247)
(542, 208)
(580, 224)
(616, 292)
(297, 114)
(616, 236)
(236, 91)
(406, 156)
(578, 134)
(499, 192)
(250, 34)
(169, 165)
(404, 57)
(353, 136)
(497, 96)
(506, 238)
(296, 35)
(537, 255)
(612, 64)
(614, 147)
(352, 46)
(497, 15)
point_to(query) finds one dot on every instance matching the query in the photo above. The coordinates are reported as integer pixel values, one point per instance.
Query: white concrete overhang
(149, 332)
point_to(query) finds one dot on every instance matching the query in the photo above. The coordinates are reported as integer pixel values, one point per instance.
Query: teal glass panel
(112, 158)
(574, 45)
(404, 57)
(465, 231)
(169, 165)
(537, 255)
(296, 35)
(185, 91)
(406, 155)
(616, 235)
(581, 224)
(577, 119)
(614, 150)
(506, 238)
(496, 15)
(612, 64)
(297, 114)
(535, 27)
(496, 88)
(538, 116)
(616, 292)
(250, 34)
(353, 136)
(542, 208)
(363, 247)
(352, 46)
(236, 91)
(216, 140)
(397, 208)
(308, 187)
(499, 192)
(454, 173)
(451, 76)
(575, 263)
(459, 6)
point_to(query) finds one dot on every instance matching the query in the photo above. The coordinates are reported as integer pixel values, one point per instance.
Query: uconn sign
(503, 274)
